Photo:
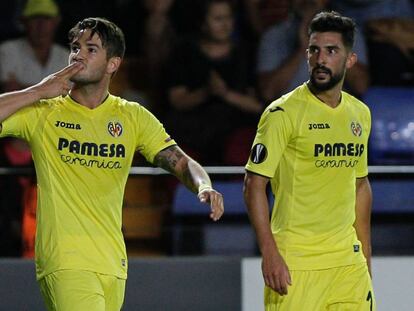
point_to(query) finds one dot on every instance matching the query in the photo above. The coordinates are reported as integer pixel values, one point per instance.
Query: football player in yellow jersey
(311, 144)
(83, 140)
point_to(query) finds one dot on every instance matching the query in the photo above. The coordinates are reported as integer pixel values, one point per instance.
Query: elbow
(246, 187)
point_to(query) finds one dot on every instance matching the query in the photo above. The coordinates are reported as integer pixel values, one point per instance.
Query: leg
(68, 290)
(352, 290)
(114, 290)
(308, 292)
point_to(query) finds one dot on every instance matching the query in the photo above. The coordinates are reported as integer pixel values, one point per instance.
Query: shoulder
(355, 103)
(50, 103)
(132, 108)
(290, 101)
(123, 104)
(14, 44)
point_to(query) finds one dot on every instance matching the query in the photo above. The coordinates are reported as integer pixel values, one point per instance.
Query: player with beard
(83, 140)
(311, 144)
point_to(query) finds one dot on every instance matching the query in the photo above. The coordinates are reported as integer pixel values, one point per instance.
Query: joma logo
(68, 125)
(318, 126)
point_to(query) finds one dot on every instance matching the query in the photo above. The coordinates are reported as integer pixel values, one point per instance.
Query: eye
(313, 49)
(92, 50)
(332, 50)
(74, 48)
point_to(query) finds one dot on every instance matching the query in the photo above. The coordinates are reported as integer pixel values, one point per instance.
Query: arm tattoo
(174, 160)
(168, 158)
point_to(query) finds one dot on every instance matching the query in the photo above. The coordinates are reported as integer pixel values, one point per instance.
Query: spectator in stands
(10, 205)
(77, 9)
(363, 11)
(209, 87)
(25, 61)
(18, 201)
(262, 14)
(156, 40)
(387, 28)
(391, 39)
(281, 55)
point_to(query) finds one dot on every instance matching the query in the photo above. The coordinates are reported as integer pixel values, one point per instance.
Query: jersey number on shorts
(369, 298)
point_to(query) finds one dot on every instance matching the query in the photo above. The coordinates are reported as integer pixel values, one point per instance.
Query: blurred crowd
(205, 68)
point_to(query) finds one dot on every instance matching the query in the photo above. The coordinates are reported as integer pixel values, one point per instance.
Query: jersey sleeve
(362, 166)
(152, 137)
(272, 137)
(21, 124)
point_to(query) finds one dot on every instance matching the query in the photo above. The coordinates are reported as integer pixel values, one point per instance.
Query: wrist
(203, 187)
(35, 93)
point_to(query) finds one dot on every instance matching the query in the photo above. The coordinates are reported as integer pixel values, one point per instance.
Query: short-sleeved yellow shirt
(313, 154)
(82, 158)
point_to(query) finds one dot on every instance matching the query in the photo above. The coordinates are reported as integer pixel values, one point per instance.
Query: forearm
(244, 102)
(363, 217)
(188, 171)
(258, 210)
(13, 101)
(181, 98)
(53, 85)
(194, 176)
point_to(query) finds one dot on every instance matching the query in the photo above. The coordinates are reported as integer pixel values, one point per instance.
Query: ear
(351, 60)
(113, 64)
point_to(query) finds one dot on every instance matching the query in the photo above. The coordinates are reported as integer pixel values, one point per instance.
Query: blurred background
(207, 69)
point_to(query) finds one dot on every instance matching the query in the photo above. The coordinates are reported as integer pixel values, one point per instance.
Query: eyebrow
(329, 46)
(93, 45)
(76, 43)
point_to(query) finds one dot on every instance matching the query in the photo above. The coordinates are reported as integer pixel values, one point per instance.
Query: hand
(216, 202)
(218, 86)
(58, 83)
(275, 272)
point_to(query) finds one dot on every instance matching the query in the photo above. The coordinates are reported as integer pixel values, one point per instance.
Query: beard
(85, 76)
(84, 80)
(330, 83)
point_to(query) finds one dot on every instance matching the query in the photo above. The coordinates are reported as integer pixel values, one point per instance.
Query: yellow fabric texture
(335, 289)
(313, 154)
(68, 290)
(82, 158)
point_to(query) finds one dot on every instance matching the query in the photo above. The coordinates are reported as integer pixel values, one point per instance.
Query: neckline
(313, 98)
(88, 110)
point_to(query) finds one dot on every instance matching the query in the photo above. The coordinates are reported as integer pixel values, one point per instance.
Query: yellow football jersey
(313, 154)
(82, 158)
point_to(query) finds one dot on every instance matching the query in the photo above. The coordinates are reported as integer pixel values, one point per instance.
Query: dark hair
(111, 35)
(335, 22)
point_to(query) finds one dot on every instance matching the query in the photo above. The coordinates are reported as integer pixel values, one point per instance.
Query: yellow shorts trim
(68, 290)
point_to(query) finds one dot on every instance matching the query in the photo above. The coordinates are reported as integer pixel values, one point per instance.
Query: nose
(321, 58)
(78, 55)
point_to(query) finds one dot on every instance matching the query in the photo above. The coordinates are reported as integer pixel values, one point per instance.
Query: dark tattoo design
(168, 158)
(174, 160)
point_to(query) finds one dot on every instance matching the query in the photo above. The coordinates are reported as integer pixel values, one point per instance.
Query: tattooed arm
(192, 175)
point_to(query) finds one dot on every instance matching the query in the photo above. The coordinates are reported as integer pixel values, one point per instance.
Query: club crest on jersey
(356, 128)
(258, 153)
(115, 128)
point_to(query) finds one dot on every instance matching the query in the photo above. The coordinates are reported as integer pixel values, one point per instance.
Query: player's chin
(321, 84)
